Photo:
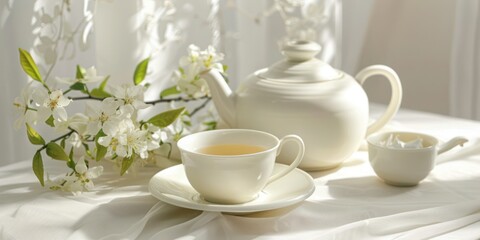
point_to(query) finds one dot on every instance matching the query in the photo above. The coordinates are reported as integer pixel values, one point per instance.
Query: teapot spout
(451, 144)
(222, 95)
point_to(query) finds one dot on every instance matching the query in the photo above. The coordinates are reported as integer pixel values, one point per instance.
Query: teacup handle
(395, 99)
(298, 158)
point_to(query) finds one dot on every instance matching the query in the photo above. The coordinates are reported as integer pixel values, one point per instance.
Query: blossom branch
(58, 138)
(162, 100)
(114, 119)
(200, 107)
(182, 99)
(86, 98)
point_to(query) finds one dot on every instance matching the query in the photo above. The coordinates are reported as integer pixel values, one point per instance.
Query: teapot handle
(395, 99)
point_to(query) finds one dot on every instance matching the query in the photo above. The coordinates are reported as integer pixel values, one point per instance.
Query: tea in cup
(405, 158)
(232, 166)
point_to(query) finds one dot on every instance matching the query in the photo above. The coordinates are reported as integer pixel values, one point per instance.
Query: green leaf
(56, 152)
(181, 70)
(29, 66)
(80, 72)
(87, 150)
(37, 166)
(225, 68)
(34, 137)
(104, 83)
(79, 87)
(70, 155)
(169, 91)
(166, 118)
(70, 162)
(50, 122)
(140, 71)
(101, 150)
(126, 163)
(188, 123)
(62, 143)
(99, 93)
(211, 125)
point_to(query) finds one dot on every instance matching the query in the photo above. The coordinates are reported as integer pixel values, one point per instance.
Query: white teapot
(302, 95)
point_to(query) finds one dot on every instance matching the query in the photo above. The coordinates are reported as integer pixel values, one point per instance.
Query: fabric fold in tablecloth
(420, 224)
(349, 202)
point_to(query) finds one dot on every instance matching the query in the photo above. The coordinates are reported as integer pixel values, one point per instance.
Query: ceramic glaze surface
(406, 166)
(302, 95)
(172, 186)
(319, 116)
(234, 179)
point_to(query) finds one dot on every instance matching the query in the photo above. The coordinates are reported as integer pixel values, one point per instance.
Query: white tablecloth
(349, 202)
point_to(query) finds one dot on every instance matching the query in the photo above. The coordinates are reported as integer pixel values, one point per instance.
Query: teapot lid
(300, 65)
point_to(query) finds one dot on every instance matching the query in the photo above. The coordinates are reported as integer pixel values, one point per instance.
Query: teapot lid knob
(300, 65)
(300, 51)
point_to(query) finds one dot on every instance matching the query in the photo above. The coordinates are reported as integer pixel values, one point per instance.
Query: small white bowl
(405, 166)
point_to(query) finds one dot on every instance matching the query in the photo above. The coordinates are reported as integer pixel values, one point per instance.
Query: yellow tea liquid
(231, 149)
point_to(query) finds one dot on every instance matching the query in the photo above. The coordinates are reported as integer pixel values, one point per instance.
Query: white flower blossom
(78, 122)
(189, 82)
(187, 77)
(115, 116)
(211, 59)
(206, 59)
(179, 128)
(176, 130)
(51, 104)
(154, 137)
(78, 181)
(90, 76)
(163, 155)
(100, 113)
(192, 57)
(123, 139)
(130, 95)
(126, 111)
(74, 141)
(22, 106)
(61, 125)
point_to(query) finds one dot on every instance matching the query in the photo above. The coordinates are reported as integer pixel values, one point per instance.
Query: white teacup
(233, 179)
(406, 166)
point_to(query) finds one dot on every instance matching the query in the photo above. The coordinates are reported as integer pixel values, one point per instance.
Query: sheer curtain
(434, 45)
(465, 65)
(415, 39)
(115, 35)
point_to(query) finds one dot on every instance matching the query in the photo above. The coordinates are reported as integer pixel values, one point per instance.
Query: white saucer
(171, 186)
